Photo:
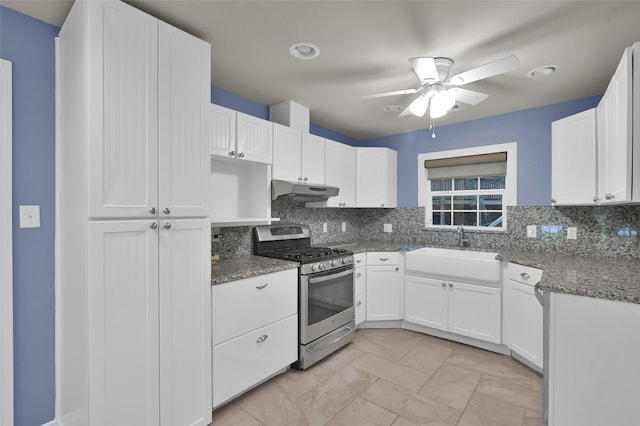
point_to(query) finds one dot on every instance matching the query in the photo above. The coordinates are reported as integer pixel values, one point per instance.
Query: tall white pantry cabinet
(133, 293)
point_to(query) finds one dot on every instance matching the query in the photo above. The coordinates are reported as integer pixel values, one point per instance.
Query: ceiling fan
(439, 92)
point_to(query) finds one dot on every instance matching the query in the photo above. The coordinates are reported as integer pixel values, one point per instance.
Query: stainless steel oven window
(329, 295)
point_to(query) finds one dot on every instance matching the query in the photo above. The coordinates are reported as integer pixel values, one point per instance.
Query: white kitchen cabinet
(465, 309)
(145, 116)
(594, 350)
(240, 136)
(376, 177)
(523, 314)
(341, 172)
(134, 331)
(298, 156)
(573, 160)
(149, 322)
(360, 286)
(617, 146)
(384, 286)
(255, 331)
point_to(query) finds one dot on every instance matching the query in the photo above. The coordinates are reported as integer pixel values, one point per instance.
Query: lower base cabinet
(594, 348)
(465, 309)
(245, 361)
(384, 286)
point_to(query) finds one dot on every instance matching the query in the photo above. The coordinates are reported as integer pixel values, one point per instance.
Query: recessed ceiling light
(393, 108)
(543, 71)
(304, 51)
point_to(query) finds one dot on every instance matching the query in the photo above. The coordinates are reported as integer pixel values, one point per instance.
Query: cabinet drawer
(383, 258)
(524, 274)
(360, 280)
(247, 360)
(245, 305)
(360, 259)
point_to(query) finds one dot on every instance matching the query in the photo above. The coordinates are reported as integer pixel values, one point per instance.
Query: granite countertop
(246, 267)
(602, 278)
(362, 246)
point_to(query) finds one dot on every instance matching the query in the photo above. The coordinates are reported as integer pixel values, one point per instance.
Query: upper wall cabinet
(298, 156)
(376, 177)
(147, 87)
(341, 172)
(573, 160)
(240, 136)
(618, 147)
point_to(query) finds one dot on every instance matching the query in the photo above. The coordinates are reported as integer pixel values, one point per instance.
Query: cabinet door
(384, 293)
(614, 136)
(123, 323)
(523, 321)
(287, 153)
(376, 177)
(313, 159)
(573, 159)
(475, 311)
(341, 172)
(425, 302)
(184, 110)
(254, 138)
(123, 111)
(185, 322)
(222, 131)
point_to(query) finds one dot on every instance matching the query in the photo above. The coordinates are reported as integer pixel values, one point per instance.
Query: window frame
(509, 193)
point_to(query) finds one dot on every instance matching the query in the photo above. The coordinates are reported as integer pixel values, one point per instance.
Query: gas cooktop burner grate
(304, 253)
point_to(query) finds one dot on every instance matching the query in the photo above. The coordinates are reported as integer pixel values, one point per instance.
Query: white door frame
(6, 248)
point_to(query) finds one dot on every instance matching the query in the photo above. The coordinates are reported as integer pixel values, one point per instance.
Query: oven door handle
(331, 277)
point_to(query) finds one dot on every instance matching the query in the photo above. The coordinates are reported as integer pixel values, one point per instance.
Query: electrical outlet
(344, 227)
(532, 231)
(29, 216)
(324, 227)
(387, 227)
(572, 233)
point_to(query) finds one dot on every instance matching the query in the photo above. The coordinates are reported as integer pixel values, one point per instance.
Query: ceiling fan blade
(470, 97)
(395, 92)
(491, 69)
(425, 69)
(405, 112)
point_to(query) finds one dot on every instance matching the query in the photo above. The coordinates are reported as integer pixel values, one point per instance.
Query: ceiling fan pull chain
(433, 128)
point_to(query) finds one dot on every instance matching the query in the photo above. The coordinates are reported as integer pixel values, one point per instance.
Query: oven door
(326, 302)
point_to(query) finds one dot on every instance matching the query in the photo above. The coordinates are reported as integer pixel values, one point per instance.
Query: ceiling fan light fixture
(441, 102)
(419, 105)
(304, 51)
(543, 71)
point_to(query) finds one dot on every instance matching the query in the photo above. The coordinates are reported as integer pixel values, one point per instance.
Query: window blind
(494, 164)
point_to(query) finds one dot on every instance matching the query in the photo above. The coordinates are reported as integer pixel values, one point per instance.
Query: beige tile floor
(396, 377)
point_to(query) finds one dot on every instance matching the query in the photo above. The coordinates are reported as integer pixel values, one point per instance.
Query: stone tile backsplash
(607, 231)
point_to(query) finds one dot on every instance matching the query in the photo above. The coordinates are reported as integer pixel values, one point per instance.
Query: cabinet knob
(232, 153)
(397, 268)
(166, 210)
(358, 260)
(609, 196)
(241, 155)
(154, 225)
(299, 178)
(595, 199)
(359, 302)
(260, 287)
(553, 200)
(262, 338)
(450, 285)
(382, 205)
(358, 275)
(167, 225)
(153, 210)
(444, 284)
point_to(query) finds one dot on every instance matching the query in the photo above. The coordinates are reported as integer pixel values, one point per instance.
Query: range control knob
(346, 260)
(334, 263)
(322, 266)
(314, 267)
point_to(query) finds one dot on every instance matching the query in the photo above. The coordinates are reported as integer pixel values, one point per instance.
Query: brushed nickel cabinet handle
(260, 287)
(262, 338)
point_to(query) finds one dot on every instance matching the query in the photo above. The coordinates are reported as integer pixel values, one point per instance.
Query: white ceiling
(365, 47)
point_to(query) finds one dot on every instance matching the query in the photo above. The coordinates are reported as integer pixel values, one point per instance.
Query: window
(470, 187)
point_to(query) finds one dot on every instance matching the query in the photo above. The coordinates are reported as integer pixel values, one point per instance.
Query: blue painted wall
(29, 45)
(530, 128)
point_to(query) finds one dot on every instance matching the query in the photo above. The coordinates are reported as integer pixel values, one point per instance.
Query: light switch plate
(29, 216)
(532, 231)
(572, 233)
(344, 227)
(324, 227)
(387, 227)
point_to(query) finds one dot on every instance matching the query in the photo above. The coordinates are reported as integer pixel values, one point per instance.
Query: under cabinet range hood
(301, 192)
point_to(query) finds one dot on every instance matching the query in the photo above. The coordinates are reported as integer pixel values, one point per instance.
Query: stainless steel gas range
(325, 291)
